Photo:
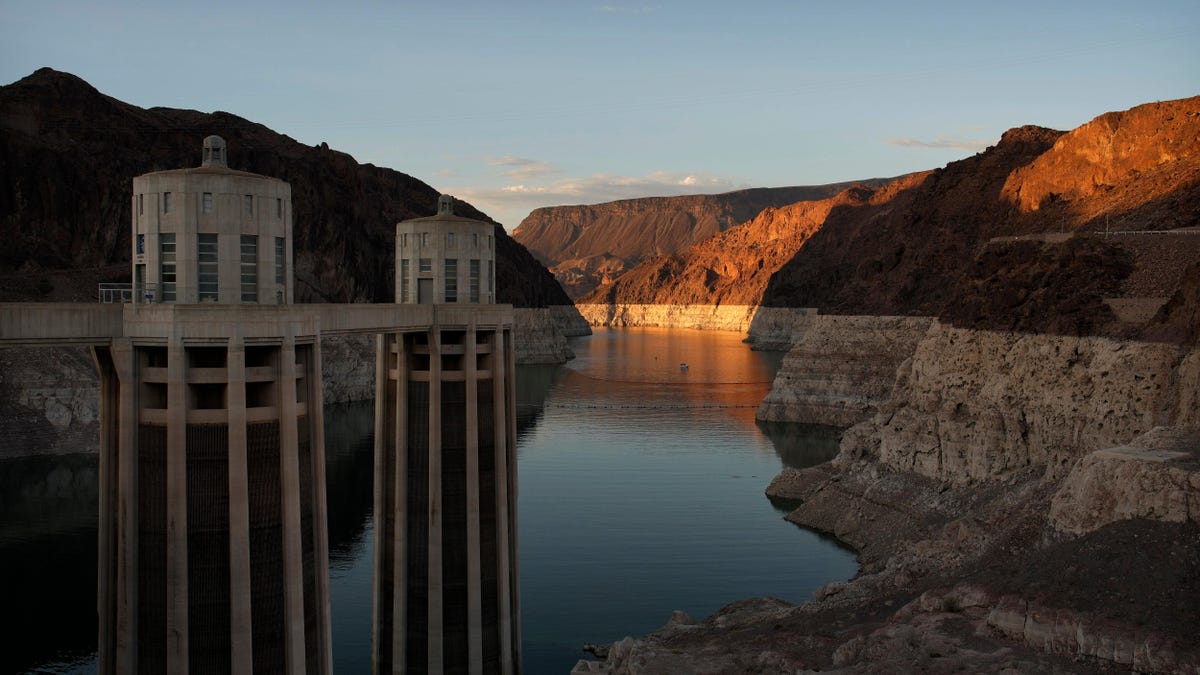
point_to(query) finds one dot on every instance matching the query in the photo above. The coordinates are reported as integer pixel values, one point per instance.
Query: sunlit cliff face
(1152, 147)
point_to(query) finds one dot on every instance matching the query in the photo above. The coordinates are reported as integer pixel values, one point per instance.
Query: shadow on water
(349, 470)
(802, 445)
(48, 525)
(534, 385)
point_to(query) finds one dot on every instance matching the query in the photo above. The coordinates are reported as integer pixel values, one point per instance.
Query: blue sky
(518, 105)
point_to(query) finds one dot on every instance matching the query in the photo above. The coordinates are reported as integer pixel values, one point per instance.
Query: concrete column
(399, 535)
(123, 515)
(241, 648)
(177, 525)
(503, 577)
(289, 473)
(320, 509)
(474, 592)
(435, 499)
(510, 426)
(378, 492)
(106, 544)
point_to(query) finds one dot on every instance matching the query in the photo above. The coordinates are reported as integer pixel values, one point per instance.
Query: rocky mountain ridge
(1040, 233)
(587, 245)
(69, 154)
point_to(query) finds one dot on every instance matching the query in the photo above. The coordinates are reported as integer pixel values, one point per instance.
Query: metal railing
(119, 293)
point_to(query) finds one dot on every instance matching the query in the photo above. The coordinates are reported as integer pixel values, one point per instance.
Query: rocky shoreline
(1019, 503)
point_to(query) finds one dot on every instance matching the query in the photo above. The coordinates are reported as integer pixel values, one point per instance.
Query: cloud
(521, 168)
(507, 201)
(625, 9)
(445, 173)
(943, 143)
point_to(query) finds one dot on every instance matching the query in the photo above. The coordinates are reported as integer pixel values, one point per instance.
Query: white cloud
(509, 203)
(521, 168)
(943, 142)
(626, 9)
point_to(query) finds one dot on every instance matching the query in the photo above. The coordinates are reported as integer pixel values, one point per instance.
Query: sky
(517, 105)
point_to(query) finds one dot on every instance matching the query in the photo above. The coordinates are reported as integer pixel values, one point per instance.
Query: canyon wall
(840, 369)
(974, 405)
(769, 328)
(537, 337)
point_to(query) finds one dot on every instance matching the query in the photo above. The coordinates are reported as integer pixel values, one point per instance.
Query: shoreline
(999, 494)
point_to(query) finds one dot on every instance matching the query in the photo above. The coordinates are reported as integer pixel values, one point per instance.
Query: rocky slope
(69, 154)
(1135, 170)
(1004, 240)
(734, 266)
(1019, 502)
(587, 245)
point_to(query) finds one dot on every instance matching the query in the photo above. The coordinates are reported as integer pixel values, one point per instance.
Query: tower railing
(123, 292)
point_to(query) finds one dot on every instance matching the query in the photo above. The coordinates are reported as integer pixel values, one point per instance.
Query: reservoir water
(641, 492)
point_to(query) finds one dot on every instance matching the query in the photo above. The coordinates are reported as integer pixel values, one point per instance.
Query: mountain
(735, 266)
(70, 152)
(588, 245)
(1047, 231)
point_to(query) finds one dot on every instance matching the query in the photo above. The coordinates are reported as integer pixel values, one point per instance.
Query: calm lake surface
(641, 492)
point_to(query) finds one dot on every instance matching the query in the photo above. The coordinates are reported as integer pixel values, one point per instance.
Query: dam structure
(213, 546)
(445, 569)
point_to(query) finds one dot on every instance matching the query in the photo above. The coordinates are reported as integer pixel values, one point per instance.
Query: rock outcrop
(538, 339)
(840, 369)
(978, 405)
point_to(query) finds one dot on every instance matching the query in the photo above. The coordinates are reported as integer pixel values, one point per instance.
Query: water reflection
(534, 385)
(48, 525)
(802, 445)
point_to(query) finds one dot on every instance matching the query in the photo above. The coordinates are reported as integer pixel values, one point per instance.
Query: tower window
(141, 244)
(425, 265)
(449, 240)
(451, 280)
(206, 256)
(141, 204)
(279, 207)
(206, 202)
(248, 204)
(403, 281)
(166, 265)
(424, 238)
(474, 280)
(280, 261)
(166, 202)
(249, 268)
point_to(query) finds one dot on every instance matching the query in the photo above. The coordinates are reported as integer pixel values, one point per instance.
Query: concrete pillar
(435, 499)
(382, 348)
(289, 473)
(399, 537)
(106, 544)
(510, 425)
(474, 593)
(503, 563)
(123, 516)
(241, 647)
(177, 529)
(320, 509)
